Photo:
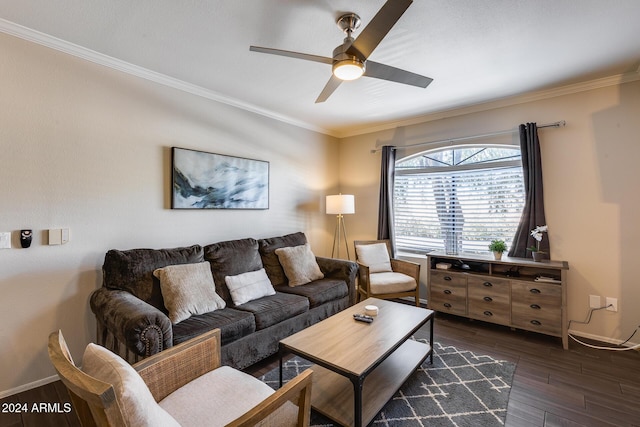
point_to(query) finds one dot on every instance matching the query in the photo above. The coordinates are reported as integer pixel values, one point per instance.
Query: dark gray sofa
(132, 319)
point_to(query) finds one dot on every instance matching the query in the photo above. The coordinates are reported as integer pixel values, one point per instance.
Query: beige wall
(88, 148)
(591, 176)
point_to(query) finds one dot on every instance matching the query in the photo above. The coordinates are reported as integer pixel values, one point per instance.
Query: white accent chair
(381, 276)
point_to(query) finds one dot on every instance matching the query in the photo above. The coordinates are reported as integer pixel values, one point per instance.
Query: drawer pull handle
(488, 313)
(487, 284)
(535, 306)
(488, 299)
(535, 291)
(447, 291)
(536, 322)
(447, 278)
(446, 304)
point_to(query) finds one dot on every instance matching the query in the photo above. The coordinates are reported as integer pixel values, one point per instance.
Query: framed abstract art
(202, 180)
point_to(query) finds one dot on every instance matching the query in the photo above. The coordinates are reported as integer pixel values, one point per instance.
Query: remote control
(363, 318)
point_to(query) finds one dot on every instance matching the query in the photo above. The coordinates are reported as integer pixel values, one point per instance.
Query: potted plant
(536, 233)
(497, 247)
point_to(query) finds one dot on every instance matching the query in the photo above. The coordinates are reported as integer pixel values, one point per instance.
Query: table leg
(433, 318)
(357, 401)
(281, 354)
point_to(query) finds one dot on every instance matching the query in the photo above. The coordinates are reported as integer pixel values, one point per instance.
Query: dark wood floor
(551, 387)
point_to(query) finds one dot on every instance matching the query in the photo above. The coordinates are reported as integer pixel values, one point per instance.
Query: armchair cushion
(223, 394)
(391, 282)
(375, 256)
(299, 264)
(188, 289)
(132, 394)
(249, 286)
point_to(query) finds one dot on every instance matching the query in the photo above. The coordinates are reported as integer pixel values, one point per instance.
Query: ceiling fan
(350, 59)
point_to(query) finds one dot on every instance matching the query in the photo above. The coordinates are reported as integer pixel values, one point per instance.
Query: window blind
(457, 210)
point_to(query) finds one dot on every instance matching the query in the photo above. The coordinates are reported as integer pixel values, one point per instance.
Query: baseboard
(601, 338)
(29, 386)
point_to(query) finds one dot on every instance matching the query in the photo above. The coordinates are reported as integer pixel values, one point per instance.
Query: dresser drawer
(489, 299)
(533, 317)
(446, 278)
(543, 294)
(449, 304)
(448, 297)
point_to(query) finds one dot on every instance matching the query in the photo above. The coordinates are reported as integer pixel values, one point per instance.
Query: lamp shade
(341, 204)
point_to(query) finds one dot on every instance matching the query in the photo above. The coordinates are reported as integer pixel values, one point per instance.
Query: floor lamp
(339, 205)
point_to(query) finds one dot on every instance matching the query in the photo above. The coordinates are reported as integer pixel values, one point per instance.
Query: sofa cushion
(134, 398)
(221, 396)
(248, 286)
(231, 258)
(270, 259)
(319, 291)
(299, 264)
(233, 325)
(275, 308)
(188, 289)
(132, 270)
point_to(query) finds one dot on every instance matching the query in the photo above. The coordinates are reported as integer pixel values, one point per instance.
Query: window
(458, 199)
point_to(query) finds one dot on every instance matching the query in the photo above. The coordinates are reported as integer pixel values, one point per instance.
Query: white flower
(536, 233)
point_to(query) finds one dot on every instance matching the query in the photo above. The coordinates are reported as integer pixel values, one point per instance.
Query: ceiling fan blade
(379, 26)
(386, 72)
(290, 54)
(329, 88)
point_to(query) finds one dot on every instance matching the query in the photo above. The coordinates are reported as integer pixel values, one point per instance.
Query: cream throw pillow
(375, 256)
(299, 264)
(133, 396)
(248, 286)
(188, 289)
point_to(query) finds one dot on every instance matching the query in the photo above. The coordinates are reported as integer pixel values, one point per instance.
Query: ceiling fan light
(348, 69)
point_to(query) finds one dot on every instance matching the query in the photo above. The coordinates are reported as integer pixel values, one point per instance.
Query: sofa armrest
(342, 270)
(126, 319)
(171, 369)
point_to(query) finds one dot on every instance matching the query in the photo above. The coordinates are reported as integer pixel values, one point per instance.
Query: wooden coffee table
(360, 366)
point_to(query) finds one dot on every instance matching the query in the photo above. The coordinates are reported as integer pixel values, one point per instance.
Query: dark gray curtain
(385, 209)
(533, 212)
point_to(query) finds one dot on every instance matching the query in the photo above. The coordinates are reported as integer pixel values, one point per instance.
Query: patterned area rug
(460, 389)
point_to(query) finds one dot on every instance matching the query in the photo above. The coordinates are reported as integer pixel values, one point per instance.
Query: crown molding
(614, 80)
(60, 45)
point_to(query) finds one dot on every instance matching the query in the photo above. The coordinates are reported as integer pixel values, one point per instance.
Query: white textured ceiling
(475, 50)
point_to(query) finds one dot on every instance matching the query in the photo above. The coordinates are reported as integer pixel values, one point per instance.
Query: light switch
(65, 235)
(55, 236)
(5, 240)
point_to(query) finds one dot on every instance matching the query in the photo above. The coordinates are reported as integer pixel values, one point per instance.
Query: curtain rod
(558, 124)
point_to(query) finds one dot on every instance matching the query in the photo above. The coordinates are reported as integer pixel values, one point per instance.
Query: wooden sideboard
(516, 292)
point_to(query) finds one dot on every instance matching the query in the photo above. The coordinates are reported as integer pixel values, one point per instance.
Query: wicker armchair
(184, 367)
(398, 279)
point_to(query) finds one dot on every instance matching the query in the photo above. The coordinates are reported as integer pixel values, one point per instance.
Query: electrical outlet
(612, 304)
(595, 301)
